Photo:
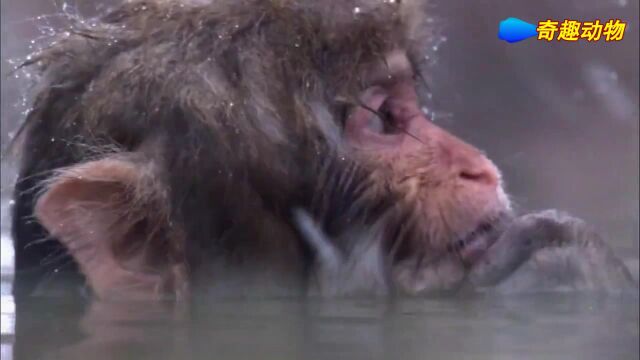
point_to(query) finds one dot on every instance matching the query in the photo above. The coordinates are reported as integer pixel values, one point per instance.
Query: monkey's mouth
(471, 247)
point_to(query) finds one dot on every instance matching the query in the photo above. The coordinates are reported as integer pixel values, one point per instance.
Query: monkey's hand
(550, 250)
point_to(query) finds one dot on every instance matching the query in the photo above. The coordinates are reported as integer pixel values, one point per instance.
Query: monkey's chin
(475, 243)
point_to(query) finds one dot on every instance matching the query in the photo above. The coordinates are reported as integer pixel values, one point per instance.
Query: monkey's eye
(383, 114)
(373, 114)
(375, 123)
(381, 121)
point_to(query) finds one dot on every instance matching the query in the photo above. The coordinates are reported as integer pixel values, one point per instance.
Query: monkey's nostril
(471, 176)
(483, 176)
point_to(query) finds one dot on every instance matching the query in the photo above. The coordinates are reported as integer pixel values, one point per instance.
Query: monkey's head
(185, 135)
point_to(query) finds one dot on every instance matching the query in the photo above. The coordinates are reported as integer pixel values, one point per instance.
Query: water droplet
(12, 202)
(356, 10)
(53, 139)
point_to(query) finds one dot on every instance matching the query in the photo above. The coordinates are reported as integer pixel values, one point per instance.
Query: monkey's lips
(475, 244)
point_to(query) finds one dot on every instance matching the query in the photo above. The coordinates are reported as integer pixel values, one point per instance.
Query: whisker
(383, 118)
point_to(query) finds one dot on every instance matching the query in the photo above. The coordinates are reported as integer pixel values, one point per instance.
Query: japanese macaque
(238, 145)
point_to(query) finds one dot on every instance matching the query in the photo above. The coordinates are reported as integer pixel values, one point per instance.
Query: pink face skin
(454, 185)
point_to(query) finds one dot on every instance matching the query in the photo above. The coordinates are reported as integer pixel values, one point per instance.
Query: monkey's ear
(112, 216)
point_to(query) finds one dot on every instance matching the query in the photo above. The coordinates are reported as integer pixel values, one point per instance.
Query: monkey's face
(448, 191)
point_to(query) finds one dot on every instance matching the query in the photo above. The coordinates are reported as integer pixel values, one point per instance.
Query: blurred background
(559, 118)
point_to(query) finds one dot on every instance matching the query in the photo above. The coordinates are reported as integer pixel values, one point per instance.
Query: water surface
(542, 326)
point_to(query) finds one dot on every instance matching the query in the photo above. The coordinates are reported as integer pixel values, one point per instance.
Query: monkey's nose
(471, 165)
(465, 162)
(479, 170)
